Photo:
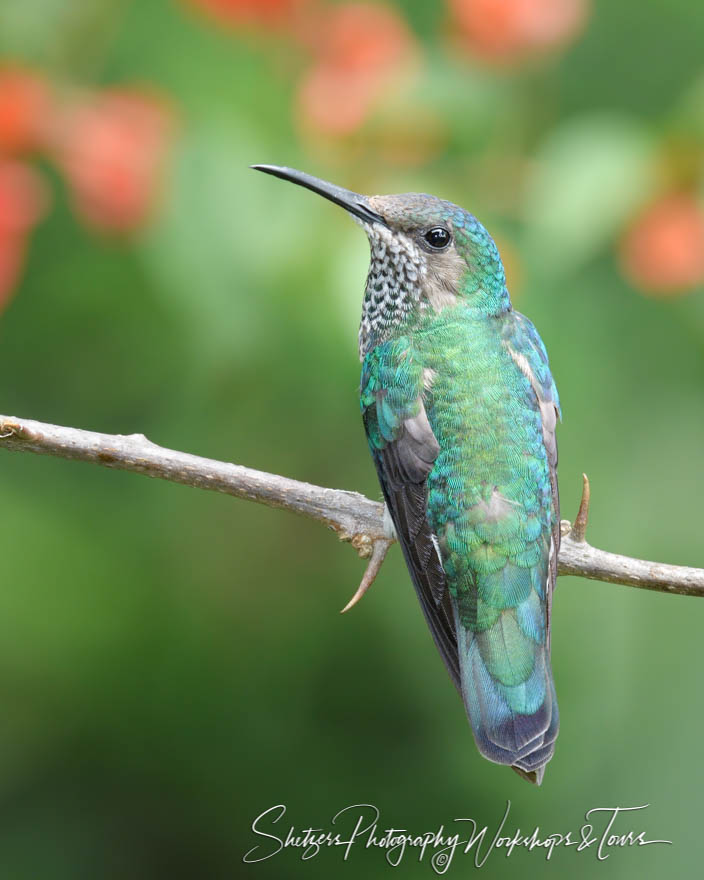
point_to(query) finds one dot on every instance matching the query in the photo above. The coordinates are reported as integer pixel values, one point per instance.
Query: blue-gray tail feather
(524, 741)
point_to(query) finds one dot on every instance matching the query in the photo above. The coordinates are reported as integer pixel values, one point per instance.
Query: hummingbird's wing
(527, 349)
(404, 449)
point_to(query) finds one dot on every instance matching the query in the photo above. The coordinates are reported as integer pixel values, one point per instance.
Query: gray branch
(355, 518)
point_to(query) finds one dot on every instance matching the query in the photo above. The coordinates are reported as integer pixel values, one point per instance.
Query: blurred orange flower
(663, 251)
(267, 13)
(360, 50)
(23, 200)
(111, 147)
(24, 106)
(511, 30)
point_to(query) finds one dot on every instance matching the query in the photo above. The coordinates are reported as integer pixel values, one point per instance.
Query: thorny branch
(355, 518)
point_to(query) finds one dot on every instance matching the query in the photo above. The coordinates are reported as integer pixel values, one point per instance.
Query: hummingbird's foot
(373, 567)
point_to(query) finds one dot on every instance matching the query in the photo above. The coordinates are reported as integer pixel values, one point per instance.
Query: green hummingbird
(460, 408)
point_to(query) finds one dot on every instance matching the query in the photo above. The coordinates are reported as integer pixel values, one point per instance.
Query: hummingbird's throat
(394, 285)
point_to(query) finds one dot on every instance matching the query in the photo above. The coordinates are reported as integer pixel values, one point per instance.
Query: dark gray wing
(403, 465)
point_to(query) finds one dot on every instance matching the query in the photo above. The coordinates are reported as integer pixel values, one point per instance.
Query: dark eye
(438, 237)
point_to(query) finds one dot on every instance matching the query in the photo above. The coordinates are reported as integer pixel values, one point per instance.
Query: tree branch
(355, 518)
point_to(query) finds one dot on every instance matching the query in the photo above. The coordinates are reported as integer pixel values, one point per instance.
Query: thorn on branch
(373, 567)
(579, 529)
(140, 438)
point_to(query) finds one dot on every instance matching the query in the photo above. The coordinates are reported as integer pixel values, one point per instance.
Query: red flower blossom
(359, 50)
(111, 147)
(663, 251)
(239, 13)
(24, 107)
(509, 30)
(23, 201)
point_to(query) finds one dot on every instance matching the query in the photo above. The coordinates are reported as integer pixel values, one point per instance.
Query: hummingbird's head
(426, 253)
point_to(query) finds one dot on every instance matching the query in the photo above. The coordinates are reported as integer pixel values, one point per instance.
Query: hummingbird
(460, 409)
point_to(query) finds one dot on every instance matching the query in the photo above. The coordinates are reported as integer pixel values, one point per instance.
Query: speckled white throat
(394, 284)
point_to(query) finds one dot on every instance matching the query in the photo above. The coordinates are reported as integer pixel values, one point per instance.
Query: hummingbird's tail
(508, 690)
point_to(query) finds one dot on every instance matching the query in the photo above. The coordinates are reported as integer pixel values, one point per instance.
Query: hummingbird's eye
(438, 237)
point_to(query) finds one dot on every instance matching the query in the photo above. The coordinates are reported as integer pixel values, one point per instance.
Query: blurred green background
(172, 662)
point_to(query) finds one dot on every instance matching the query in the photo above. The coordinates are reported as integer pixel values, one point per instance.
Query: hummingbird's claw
(579, 529)
(373, 566)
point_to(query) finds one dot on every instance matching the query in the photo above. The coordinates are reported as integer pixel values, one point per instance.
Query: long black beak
(350, 201)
